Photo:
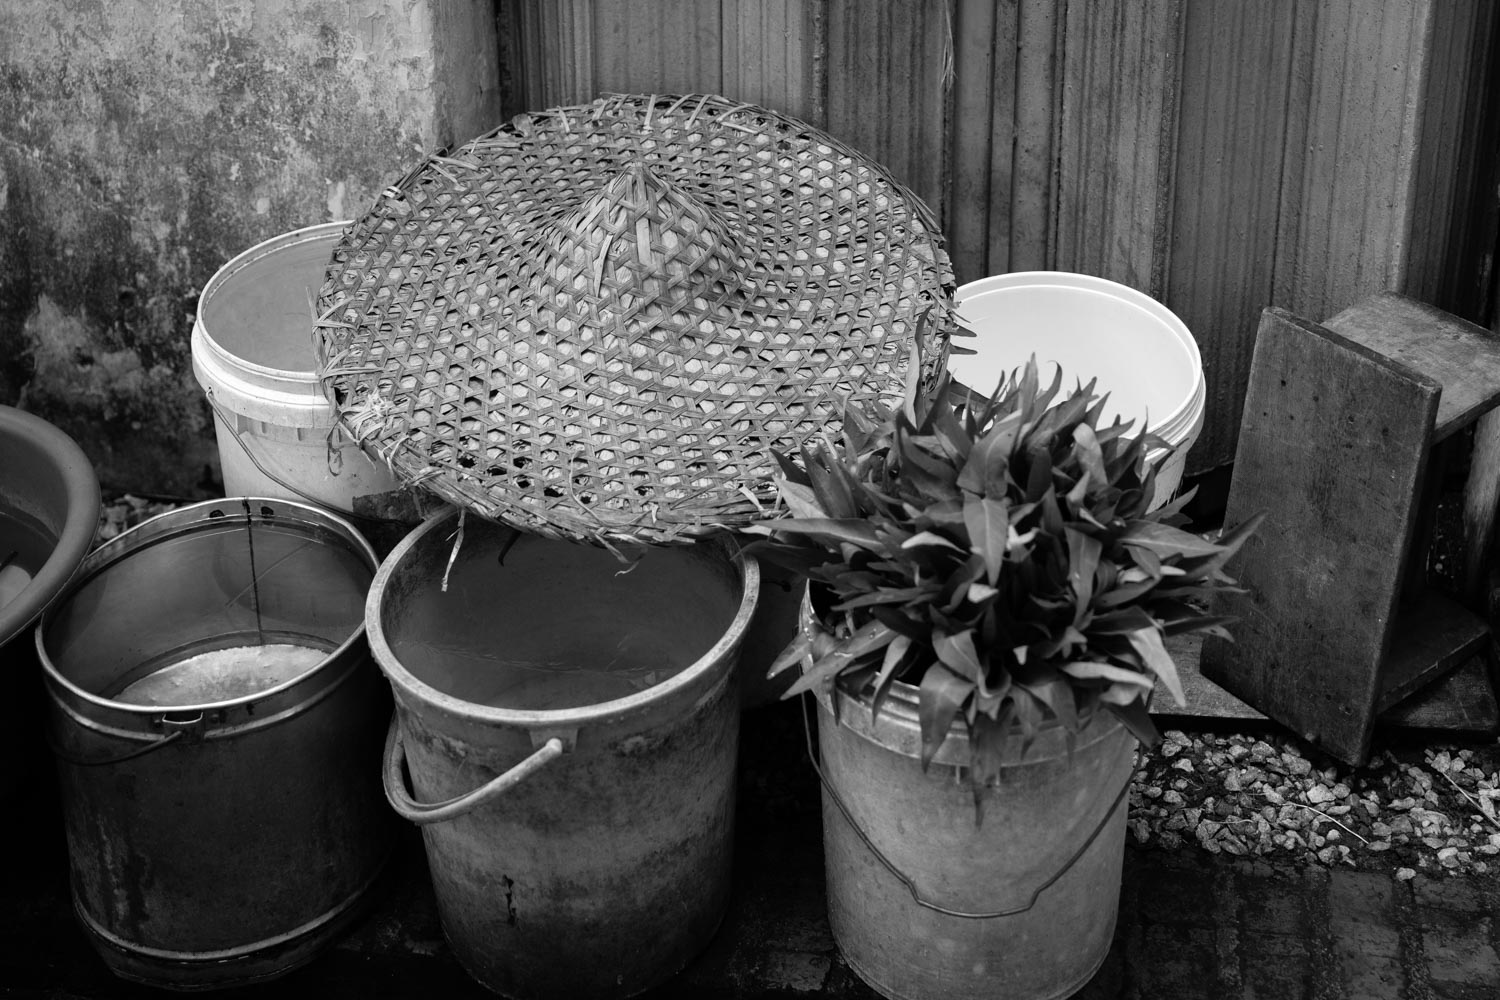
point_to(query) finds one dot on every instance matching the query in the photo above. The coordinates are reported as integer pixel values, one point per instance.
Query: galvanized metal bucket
(578, 851)
(928, 903)
(225, 841)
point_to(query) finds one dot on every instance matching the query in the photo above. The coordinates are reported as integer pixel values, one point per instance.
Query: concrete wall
(145, 142)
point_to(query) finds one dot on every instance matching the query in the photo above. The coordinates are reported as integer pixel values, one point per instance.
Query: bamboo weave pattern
(598, 322)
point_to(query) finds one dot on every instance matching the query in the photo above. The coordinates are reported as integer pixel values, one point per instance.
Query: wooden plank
(1023, 173)
(887, 65)
(1428, 638)
(1333, 446)
(559, 69)
(766, 56)
(1241, 116)
(656, 46)
(1461, 357)
(1450, 145)
(1469, 284)
(1063, 137)
(1359, 160)
(1375, 192)
(1119, 70)
(1461, 701)
(980, 123)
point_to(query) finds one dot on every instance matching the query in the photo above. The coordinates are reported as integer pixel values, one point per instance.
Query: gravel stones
(1434, 809)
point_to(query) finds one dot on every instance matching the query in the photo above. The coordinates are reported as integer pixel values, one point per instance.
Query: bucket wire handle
(139, 751)
(239, 439)
(423, 813)
(911, 886)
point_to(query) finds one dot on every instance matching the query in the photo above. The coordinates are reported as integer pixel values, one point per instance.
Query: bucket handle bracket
(190, 729)
(425, 813)
(568, 735)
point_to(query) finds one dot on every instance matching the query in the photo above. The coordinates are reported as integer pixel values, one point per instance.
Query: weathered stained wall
(145, 142)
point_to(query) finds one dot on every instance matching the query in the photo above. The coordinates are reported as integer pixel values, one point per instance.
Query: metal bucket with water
(217, 722)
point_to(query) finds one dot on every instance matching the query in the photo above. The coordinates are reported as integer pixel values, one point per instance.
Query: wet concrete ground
(1192, 925)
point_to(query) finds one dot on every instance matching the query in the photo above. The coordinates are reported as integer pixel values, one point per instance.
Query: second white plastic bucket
(1140, 351)
(253, 355)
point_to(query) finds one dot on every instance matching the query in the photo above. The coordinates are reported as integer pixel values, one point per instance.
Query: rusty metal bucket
(218, 841)
(580, 845)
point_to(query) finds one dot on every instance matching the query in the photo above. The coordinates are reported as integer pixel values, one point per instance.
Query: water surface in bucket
(559, 625)
(24, 548)
(262, 312)
(222, 675)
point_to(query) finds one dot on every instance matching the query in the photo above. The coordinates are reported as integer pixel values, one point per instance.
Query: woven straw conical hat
(599, 322)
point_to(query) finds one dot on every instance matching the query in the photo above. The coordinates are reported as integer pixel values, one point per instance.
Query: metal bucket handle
(186, 730)
(423, 813)
(906, 880)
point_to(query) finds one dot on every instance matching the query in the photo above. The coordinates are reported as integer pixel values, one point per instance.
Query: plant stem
(1471, 798)
(1330, 819)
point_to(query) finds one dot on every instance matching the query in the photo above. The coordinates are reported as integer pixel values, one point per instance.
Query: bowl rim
(80, 521)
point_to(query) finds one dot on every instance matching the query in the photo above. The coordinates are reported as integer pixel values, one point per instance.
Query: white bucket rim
(234, 265)
(274, 398)
(1170, 427)
(1077, 279)
(535, 719)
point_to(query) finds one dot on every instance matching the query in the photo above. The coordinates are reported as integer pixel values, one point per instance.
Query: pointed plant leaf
(947, 428)
(800, 499)
(1039, 471)
(1174, 506)
(1084, 553)
(1154, 655)
(1091, 669)
(1079, 492)
(1120, 694)
(870, 636)
(957, 652)
(983, 471)
(900, 623)
(856, 531)
(1125, 620)
(832, 488)
(981, 592)
(929, 538)
(1030, 715)
(866, 639)
(791, 470)
(988, 524)
(822, 671)
(1138, 721)
(934, 477)
(1164, 540)
(1057, 695)
(795, 651)
(939, 698)
(888, 595)
(895, 655)
(859, 429)
(1088, 453)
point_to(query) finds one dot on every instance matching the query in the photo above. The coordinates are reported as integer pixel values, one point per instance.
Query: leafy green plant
(1000, 555)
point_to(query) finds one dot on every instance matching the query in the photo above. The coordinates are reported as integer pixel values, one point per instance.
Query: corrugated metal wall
(1220, 156)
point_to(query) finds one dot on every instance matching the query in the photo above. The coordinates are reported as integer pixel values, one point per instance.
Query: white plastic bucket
(253, 356)
(1143, 355)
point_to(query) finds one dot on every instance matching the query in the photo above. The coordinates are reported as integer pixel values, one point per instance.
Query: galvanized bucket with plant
(988, 595)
